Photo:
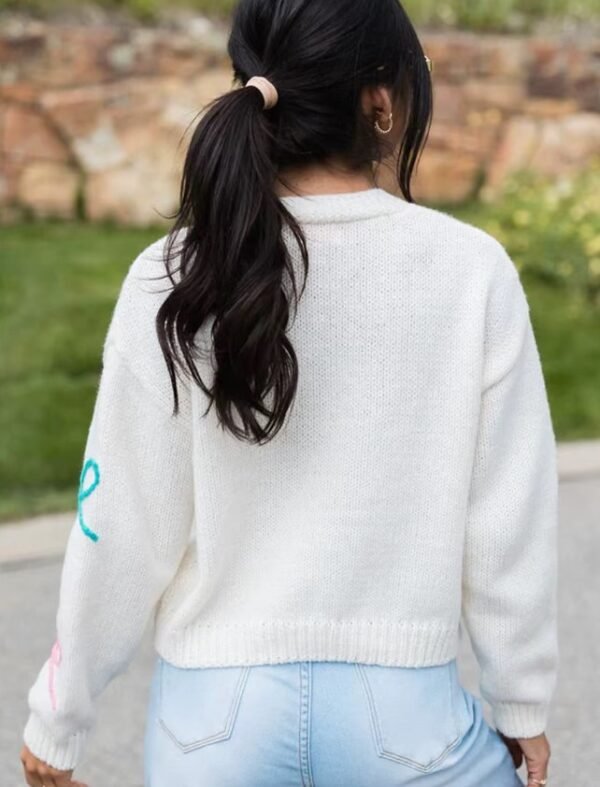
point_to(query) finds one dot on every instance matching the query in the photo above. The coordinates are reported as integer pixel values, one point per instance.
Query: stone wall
(95, 119)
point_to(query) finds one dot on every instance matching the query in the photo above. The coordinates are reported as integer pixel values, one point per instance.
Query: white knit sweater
(415, 480)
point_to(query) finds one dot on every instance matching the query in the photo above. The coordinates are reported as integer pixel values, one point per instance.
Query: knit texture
(413, 486)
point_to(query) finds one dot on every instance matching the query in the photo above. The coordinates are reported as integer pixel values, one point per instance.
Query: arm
(132, 527)
(510, 560)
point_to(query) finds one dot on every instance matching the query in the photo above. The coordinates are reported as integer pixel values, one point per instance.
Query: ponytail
(232, 263)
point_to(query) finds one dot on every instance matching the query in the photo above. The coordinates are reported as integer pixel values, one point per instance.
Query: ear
(376, 100)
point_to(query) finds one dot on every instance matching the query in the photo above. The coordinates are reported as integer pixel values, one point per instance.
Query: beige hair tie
(268, 90)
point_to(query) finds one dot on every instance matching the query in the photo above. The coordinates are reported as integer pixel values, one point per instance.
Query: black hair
(319, 54)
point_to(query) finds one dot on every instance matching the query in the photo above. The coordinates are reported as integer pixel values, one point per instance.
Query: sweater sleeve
(130, 532)
(510, 560)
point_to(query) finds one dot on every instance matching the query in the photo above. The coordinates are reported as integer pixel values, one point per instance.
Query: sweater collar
(343, 206)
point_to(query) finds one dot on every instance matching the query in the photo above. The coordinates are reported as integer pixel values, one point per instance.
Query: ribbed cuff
(520, 720)
(63, 756)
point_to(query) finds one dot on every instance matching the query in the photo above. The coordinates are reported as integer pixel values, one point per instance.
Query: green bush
(551, 229)
(480, 15)
(496, 14)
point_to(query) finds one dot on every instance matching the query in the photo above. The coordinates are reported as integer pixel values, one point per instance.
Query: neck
(329, 178)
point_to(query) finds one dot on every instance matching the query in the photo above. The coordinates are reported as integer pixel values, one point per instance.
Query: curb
(45, 537)
(578, 459)
(39, 538)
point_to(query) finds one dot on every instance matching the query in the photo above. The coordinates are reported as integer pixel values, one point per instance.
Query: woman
(378, 465)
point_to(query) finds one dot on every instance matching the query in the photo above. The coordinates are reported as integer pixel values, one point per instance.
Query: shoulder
(145, 287)
(132, 332)
(460, 243)
(146, 283)
(468, 259)
(480, 264)
(481, 254)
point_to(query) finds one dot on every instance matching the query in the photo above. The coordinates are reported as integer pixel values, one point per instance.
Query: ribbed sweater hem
(272, 642)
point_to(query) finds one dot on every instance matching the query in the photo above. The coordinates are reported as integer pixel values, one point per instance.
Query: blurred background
(97, 102)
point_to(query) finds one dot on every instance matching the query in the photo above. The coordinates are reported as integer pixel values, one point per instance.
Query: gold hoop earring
(388, 129)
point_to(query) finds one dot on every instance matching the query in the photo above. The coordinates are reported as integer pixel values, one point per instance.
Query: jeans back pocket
(199, 706)
(418, 715)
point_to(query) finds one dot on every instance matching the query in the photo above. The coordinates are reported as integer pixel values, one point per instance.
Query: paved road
(28, 595)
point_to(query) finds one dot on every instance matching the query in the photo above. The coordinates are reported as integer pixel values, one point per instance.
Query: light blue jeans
(319, 724)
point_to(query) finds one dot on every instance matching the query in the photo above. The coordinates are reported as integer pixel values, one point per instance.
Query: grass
(480, 15)
(58, 285)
